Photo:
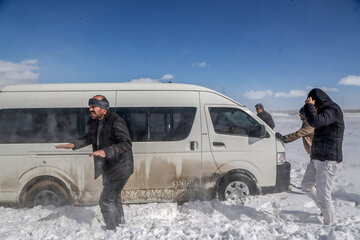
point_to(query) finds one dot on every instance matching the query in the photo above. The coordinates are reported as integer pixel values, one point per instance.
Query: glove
(279, 136)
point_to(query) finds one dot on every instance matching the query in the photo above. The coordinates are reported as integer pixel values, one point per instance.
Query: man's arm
(79, 143)
(302, 132)
(66, 146)
(318, 119)
(82, 142)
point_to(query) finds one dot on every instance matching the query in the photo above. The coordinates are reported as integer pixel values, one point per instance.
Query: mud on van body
(189, 142)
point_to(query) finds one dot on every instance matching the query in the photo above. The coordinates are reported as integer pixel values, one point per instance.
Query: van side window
(136, 121)
(233, 121)
(41, 125)
(158, 123)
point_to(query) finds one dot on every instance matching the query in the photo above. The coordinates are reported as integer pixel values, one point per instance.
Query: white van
(189, 142)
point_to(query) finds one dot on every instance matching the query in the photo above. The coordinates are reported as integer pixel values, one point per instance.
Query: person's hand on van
(98, 153)
(279, 136)
(66, 146)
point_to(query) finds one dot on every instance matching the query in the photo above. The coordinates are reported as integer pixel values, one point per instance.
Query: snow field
(289, 215)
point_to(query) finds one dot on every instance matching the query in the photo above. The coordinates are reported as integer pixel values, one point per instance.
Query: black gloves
(279, 136)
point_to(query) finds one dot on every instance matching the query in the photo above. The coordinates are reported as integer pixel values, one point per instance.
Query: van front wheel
(236, 187)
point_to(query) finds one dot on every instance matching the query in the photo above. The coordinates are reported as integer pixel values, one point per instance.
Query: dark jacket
(115, 141)
(329, 127)
(267, 118)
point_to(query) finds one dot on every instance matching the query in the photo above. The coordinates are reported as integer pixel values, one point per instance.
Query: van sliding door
(31, 132)
(165, 130)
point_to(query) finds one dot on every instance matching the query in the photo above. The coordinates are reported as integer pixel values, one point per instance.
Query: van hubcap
(47, 197)
(237, 190)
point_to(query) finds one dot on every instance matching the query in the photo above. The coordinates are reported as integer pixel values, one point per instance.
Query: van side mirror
(262, 131)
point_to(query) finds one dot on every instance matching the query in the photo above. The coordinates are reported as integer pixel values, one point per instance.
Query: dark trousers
(110, 203)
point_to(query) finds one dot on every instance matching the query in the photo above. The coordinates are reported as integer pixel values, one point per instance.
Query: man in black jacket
(326, 151)
(112, 154)
(264, 115)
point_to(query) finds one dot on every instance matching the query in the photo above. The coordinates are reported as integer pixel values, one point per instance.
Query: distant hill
(295, 112)
(352, 110)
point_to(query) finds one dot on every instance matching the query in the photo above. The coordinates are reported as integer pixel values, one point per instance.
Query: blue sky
(253, 51)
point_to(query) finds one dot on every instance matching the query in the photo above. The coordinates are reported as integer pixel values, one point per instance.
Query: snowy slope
(290, 215)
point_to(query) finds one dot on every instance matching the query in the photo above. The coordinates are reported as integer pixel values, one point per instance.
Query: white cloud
(291, 94)
(144, 80)
(351, 80)
(18, 73)
(152, 80)
(30, 61)
(200, 64)
(257, 94)
(167, 77)
(326, 89)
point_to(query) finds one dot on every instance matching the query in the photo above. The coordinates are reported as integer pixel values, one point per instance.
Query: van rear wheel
(46, 193)
(236, 186)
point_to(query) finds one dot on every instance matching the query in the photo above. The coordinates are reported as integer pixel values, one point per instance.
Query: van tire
(236, 186)
(46, 192)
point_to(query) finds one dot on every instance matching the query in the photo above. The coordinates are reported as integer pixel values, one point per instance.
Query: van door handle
(218, 144)
(193, 145)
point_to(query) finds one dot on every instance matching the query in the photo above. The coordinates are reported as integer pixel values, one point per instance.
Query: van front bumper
(282, 179)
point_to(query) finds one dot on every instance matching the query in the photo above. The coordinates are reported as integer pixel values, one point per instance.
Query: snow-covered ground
(290, 215)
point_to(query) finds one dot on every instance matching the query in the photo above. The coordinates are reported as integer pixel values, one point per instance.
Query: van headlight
(281, 158)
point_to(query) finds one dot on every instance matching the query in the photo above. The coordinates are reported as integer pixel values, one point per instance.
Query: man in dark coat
(264, 115)
(326, 151)
(112, 154)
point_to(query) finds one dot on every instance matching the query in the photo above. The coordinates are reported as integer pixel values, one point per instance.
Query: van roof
(103, 87)
(126, 86)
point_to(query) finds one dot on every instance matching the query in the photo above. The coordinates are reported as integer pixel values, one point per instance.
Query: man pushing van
(113, 158)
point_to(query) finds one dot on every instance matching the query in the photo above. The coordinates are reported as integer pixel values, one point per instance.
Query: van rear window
(42, 125)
